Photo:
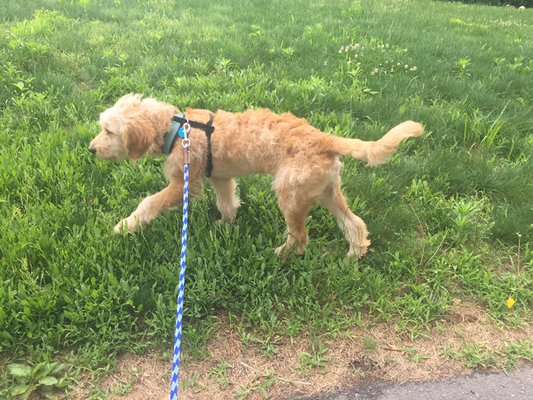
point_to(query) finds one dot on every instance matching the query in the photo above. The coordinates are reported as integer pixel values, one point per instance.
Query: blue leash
(183, 264)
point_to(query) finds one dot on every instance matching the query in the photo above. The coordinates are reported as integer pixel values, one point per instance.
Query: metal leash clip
(186, 142)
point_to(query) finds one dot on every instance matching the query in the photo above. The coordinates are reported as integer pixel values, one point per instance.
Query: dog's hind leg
(294, 205)
(353, 227)
(227, 200)
(151, 207)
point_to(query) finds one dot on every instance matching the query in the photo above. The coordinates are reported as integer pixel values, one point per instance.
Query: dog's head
(131, 127)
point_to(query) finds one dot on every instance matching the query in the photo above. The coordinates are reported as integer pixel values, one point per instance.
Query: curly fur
(303, 160)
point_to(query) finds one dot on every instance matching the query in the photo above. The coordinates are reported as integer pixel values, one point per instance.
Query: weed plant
(443, 215)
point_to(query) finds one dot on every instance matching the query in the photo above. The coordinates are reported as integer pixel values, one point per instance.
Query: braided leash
(183, 264)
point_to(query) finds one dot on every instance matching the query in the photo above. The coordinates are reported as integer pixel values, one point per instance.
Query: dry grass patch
(359, 357)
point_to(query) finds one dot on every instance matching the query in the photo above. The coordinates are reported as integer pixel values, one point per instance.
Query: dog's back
(259, 141)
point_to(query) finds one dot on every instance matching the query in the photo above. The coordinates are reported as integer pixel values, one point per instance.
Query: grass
(482, 356)
(443, 215)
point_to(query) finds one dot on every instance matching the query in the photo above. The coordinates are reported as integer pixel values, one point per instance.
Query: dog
(303, 161)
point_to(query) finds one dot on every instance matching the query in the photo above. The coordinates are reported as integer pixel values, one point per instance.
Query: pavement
(517, 385)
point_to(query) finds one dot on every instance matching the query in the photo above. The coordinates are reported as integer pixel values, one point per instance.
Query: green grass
(505, 357)
(443, 215)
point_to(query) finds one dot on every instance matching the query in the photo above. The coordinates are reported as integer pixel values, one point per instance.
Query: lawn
(450, 216)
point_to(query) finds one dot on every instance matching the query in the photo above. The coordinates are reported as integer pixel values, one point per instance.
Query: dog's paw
(127, 225)
(220, 222)
(121, 228)
(285, 251)
(280, 250)
(357, 252)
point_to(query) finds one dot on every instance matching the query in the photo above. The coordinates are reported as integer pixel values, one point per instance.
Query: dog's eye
(107, 131)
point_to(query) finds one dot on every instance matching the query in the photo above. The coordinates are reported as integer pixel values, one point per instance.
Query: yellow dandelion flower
(510, 302)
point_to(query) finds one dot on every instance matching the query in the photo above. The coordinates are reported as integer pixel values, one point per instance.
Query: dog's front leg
(151, 207)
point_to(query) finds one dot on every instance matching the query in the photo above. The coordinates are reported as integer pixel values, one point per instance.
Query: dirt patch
(303, 367)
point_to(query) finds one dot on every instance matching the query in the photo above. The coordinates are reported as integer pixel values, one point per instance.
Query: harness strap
(207, 128)
(209, 167)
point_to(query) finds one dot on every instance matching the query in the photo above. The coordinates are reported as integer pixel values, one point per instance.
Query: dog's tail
(375, 153)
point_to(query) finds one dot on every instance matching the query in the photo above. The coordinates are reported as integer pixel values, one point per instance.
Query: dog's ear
(137, 133)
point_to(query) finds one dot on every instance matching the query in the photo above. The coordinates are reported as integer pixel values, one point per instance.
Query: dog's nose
(92, 150)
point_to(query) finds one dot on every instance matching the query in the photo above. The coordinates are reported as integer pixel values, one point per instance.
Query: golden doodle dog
(303, 161)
